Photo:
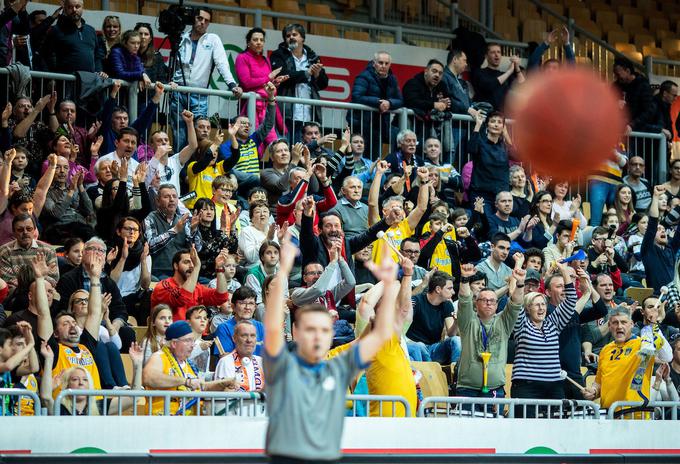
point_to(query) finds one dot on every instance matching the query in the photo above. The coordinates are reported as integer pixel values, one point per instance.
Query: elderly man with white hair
(405, 156)
(353, 212)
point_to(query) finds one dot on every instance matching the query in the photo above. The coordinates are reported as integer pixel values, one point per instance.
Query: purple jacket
(121, 64)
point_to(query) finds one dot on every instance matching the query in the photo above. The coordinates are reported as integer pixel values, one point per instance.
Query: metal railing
(657, 410)
(590, 46)
(661, 67)
(437, 406)
(201, 403)
(387, 404)
(23, 398)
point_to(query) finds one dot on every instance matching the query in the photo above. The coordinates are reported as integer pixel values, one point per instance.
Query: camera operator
(199, 52)
(605, 260)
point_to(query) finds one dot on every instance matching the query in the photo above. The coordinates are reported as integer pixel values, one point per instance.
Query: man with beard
(65, 119)
(70, 346)
(71, 45)
(68, 210)
(168, 232)
(306, 77)
(182, 290)
(657, 254)
(321, 285)
(427, 95)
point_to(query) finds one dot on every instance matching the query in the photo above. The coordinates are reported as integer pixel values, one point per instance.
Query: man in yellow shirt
(624, 373)
(390, 372)
(405, 226)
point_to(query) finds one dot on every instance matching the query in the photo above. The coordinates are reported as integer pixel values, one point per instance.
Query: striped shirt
(537, 351)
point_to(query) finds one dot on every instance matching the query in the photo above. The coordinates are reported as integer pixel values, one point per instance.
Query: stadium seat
(614, 37)
(255, 4)
(123, 6)
(632, 22)
(127, 365)
(603, 17)
(533, 30)
(433, 382)
(627, 9)
(646, 5)
(358, 35)
(670, 45)
(653, 51)
(592, 27)
(508, 379)
(625, 47)
(579, 14)
(224, 17)
(659, 23)
(140, 330)
(638, 294)
(329, 30)
(94, 5)
(507, 27)
(287, 6)
(641, 40)
(470, 7)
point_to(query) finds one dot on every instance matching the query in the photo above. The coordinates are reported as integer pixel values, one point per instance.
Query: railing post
(489, 15)
(381, 11)
(258, 19)
(570, 27)
(403, 119)
(663, 158)
(373, 10)
(649, 66)
(252, 109)
(482, 12)
(398, 35)
(454, 16)
(132, 101)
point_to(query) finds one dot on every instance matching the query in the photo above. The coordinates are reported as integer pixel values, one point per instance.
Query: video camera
(175, 18)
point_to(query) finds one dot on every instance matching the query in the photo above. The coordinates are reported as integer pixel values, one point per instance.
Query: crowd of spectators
(497, 264)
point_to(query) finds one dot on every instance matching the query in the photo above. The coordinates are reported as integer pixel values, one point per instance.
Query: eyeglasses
(95, 249)
(489, 301)
(80, 300)
(226, 189)
(130, 229)
(411, 252)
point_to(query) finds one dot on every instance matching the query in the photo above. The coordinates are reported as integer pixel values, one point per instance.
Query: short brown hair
(308, 309)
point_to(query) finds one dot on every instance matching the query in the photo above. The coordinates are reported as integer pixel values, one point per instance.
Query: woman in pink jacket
(254, 71)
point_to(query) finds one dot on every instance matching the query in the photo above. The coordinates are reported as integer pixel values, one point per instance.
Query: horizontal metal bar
(22, 393)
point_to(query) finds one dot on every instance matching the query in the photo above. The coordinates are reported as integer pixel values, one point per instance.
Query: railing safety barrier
(379, 130)
(657, 410)
(438, 406)
(18, 400)
(195, 403)
(387, 404)
(661, 67)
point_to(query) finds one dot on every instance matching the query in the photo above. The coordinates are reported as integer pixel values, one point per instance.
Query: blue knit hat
(177, 329)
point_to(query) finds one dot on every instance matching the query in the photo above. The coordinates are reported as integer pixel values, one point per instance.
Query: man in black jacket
(77, 279)
(637, 93)
(668, 92)
(71, 45)
(306, 77)
(427, 95)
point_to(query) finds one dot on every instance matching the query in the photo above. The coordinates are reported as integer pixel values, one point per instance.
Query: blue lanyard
(485, 336)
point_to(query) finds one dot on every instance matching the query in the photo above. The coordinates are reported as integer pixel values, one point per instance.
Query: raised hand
(195, 260)
(519, 275)
(9, 156)
(381, 167)
(320, 172)
(221, 258)
(270, 88)
(42, 103)
(96, 145)
(386, 272)
(281, 231)
(467, 270)
(308, 204)
(123, 170)
(106, 303)
(188, 117)
(407, 265)
(7, 112)
(274, 73)
(46, 351)
(95, 267)
(112, 255)
(423, 173)
(181, 223)
(140, 172)
(287, 256)
(94, 128)
(519, 259)
(136, 353)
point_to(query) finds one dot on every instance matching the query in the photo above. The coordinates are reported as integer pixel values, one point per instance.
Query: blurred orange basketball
(566, 123)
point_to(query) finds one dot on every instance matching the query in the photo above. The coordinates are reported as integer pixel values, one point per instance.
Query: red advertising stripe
(2, 451)
(635, 451)
(346, 451)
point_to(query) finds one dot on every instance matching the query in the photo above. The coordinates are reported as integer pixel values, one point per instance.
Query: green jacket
(499, 328)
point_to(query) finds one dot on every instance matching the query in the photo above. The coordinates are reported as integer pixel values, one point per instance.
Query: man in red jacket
(182, 290)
